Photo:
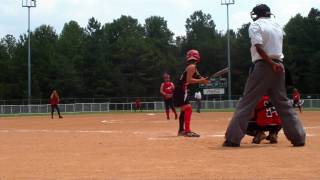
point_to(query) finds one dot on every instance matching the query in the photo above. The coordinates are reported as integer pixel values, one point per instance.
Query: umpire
(266, 77)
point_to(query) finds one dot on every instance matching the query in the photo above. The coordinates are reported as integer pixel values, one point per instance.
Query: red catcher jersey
(168, 87)
(266, 113)
(296, 96)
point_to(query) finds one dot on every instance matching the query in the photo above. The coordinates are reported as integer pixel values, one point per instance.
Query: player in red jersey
(296, 97)
(166, 90)
(266, 119)
(180, 96)
(137, 105)
(54, 101)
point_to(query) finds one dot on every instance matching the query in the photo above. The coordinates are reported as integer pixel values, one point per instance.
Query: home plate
(151, 114)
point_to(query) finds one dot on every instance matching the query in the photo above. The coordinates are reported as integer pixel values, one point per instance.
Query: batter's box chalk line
(58, 131)
(151, 114)
(110, 121)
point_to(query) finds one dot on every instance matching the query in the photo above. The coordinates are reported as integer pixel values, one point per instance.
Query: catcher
(266, 119)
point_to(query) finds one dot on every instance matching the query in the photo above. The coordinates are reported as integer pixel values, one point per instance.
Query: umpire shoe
(227, 143)
(298, 144)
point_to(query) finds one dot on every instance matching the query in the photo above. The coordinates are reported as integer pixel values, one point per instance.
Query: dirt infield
(145, 146)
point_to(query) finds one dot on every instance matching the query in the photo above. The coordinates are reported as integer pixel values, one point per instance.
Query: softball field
(145, 146)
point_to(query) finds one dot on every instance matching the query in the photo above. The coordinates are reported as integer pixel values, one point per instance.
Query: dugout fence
(124, 107)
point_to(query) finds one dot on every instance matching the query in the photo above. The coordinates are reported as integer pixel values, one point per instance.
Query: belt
(262, 60)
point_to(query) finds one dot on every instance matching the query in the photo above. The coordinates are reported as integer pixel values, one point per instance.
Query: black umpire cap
(261, 10)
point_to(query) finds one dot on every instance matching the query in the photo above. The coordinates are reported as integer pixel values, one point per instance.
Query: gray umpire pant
(263, 80)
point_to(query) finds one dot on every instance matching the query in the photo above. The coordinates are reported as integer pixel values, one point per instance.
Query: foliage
(126, 58)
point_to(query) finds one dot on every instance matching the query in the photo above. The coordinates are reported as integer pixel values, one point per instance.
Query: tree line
(126, 58)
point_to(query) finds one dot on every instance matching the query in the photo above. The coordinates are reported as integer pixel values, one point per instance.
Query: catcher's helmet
(193, 55)
(260, 10)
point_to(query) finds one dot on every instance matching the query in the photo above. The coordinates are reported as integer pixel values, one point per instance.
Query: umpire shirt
(269, 34)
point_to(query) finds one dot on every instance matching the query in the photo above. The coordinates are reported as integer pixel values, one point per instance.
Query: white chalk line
(110, 121)
(312, 127)
(57, 131)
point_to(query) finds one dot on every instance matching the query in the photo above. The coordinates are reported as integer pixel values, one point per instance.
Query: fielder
(166, 90)
(296, 97)
(266, 76)
(180, 95)
(54, 101)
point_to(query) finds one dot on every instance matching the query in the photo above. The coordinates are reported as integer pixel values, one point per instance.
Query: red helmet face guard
(193, 55)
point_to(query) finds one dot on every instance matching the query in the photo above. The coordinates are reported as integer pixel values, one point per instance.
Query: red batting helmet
(193, 55)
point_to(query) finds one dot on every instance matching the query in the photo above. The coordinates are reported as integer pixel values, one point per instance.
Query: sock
(187, 118)
(175, 112)
(181, 121)
(167, 112)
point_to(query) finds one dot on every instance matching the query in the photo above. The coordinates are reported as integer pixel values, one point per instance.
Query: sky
(13, 17)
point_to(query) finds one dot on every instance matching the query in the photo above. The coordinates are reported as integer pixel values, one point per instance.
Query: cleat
(259, 137)
(181, 133)
(191, 134)
(273, 139)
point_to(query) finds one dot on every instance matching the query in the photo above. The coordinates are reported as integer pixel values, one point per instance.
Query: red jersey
(296, 96)
(168, 88)
(138, 104)
(266, 113)
(54, 100)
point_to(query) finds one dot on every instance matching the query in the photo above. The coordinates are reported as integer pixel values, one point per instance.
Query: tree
(45, 70)
(69, 55)
(301, 47)
(241, 59)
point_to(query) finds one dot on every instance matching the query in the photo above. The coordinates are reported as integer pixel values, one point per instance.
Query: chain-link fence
(128, 107)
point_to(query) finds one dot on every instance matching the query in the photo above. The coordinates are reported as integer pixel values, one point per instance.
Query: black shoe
(191, 134)
(273, 138)
(259, 137)
(298, 144)
(181, 133)
(268, 138)
(227, 143)
(60, 117)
